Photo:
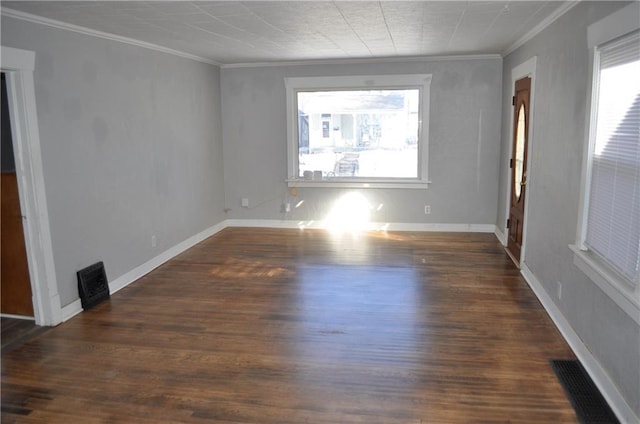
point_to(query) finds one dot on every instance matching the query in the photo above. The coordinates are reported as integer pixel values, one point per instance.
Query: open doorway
(18, 66)
(14, 270)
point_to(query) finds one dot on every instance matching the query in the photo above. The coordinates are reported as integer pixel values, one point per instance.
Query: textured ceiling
(235, 32)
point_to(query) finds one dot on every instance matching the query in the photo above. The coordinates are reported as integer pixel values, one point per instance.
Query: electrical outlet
(154, 241)
(245, 202)
(559, 290)
(427, 209)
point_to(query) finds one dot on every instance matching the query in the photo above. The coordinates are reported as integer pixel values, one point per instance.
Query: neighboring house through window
(358, 131)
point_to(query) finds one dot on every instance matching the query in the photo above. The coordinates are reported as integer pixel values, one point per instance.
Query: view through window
(358, 133)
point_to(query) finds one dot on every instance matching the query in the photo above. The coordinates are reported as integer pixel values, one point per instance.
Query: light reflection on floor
(350, 213)
(359, 316)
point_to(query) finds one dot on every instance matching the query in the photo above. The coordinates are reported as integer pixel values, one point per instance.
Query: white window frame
(625, 293)
(419, 81)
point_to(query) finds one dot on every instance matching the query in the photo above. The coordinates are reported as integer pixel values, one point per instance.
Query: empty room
(320, 212)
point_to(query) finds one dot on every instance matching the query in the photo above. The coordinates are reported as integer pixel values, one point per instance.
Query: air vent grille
(92, 285)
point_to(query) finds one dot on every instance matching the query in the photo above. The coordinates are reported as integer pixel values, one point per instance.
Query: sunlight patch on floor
(350, 213)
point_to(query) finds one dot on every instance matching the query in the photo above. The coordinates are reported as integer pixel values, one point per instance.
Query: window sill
(619, 290)
(360, 183)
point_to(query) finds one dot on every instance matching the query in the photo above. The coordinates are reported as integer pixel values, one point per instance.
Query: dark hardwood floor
(16, 331)
(286, 326)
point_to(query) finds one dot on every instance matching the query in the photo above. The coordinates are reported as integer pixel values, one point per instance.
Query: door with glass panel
(518, 165)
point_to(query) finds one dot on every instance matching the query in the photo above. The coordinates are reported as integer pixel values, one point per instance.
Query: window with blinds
(613, 202)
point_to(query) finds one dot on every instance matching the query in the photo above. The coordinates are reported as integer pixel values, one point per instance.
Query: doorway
(16, 298)
(18, 66)
(518, 167)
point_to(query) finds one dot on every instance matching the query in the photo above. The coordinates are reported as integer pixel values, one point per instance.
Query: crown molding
(99, 34)
(126, 40)
(354, 61)
(564, 8)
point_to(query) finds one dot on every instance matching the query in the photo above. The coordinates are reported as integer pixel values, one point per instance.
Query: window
(358, 131)
(608, 247)
(613, 215)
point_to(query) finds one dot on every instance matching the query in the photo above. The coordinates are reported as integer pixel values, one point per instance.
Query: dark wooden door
(15, 284)
(518, 165)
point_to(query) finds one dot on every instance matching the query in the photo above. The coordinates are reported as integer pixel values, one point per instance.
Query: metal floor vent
(590, 406)
(92, 285)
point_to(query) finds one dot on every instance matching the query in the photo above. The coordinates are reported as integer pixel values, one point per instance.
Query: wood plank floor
(15, 331)
(287, 326)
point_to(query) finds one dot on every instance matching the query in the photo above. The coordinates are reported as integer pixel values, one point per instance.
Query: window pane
(358, 133)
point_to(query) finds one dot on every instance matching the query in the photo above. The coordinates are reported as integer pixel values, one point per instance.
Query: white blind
(613, 226)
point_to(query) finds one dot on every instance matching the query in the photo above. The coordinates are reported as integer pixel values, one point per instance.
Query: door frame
(525, 69)
(18, 66)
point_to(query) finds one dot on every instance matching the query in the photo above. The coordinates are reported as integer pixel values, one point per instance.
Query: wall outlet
(245, 202)
(154, 241)
(427, 209)
(559, 290)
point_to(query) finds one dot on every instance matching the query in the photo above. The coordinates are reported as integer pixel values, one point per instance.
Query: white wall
(464, 143)
(561, 87)
(131, 147)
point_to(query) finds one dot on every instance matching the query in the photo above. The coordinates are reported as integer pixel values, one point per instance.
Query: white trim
(105, 35)
(75, 307)
(501, 236)
(71, 310)
(22, 317)
(373, 226)
(585, 175)
(355, 61)
(337, 183)
(555, 15)
(613, 26)
(447, 228)
(356, 82)
(273, 223)
(614, 286)
(140, 271)
(19, 67)
(525, 69)
(599, 375)
(124, 280)
(627, 298)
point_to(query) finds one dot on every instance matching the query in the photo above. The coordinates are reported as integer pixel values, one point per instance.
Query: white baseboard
(22, 317)
(446, 228)
(501, 236)
(123, 281)
(590, 363)
(142, 270)
(119, 283)
(600, 377)
(270, 223)
(75, 307)
(71, 310)
(373, 226)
